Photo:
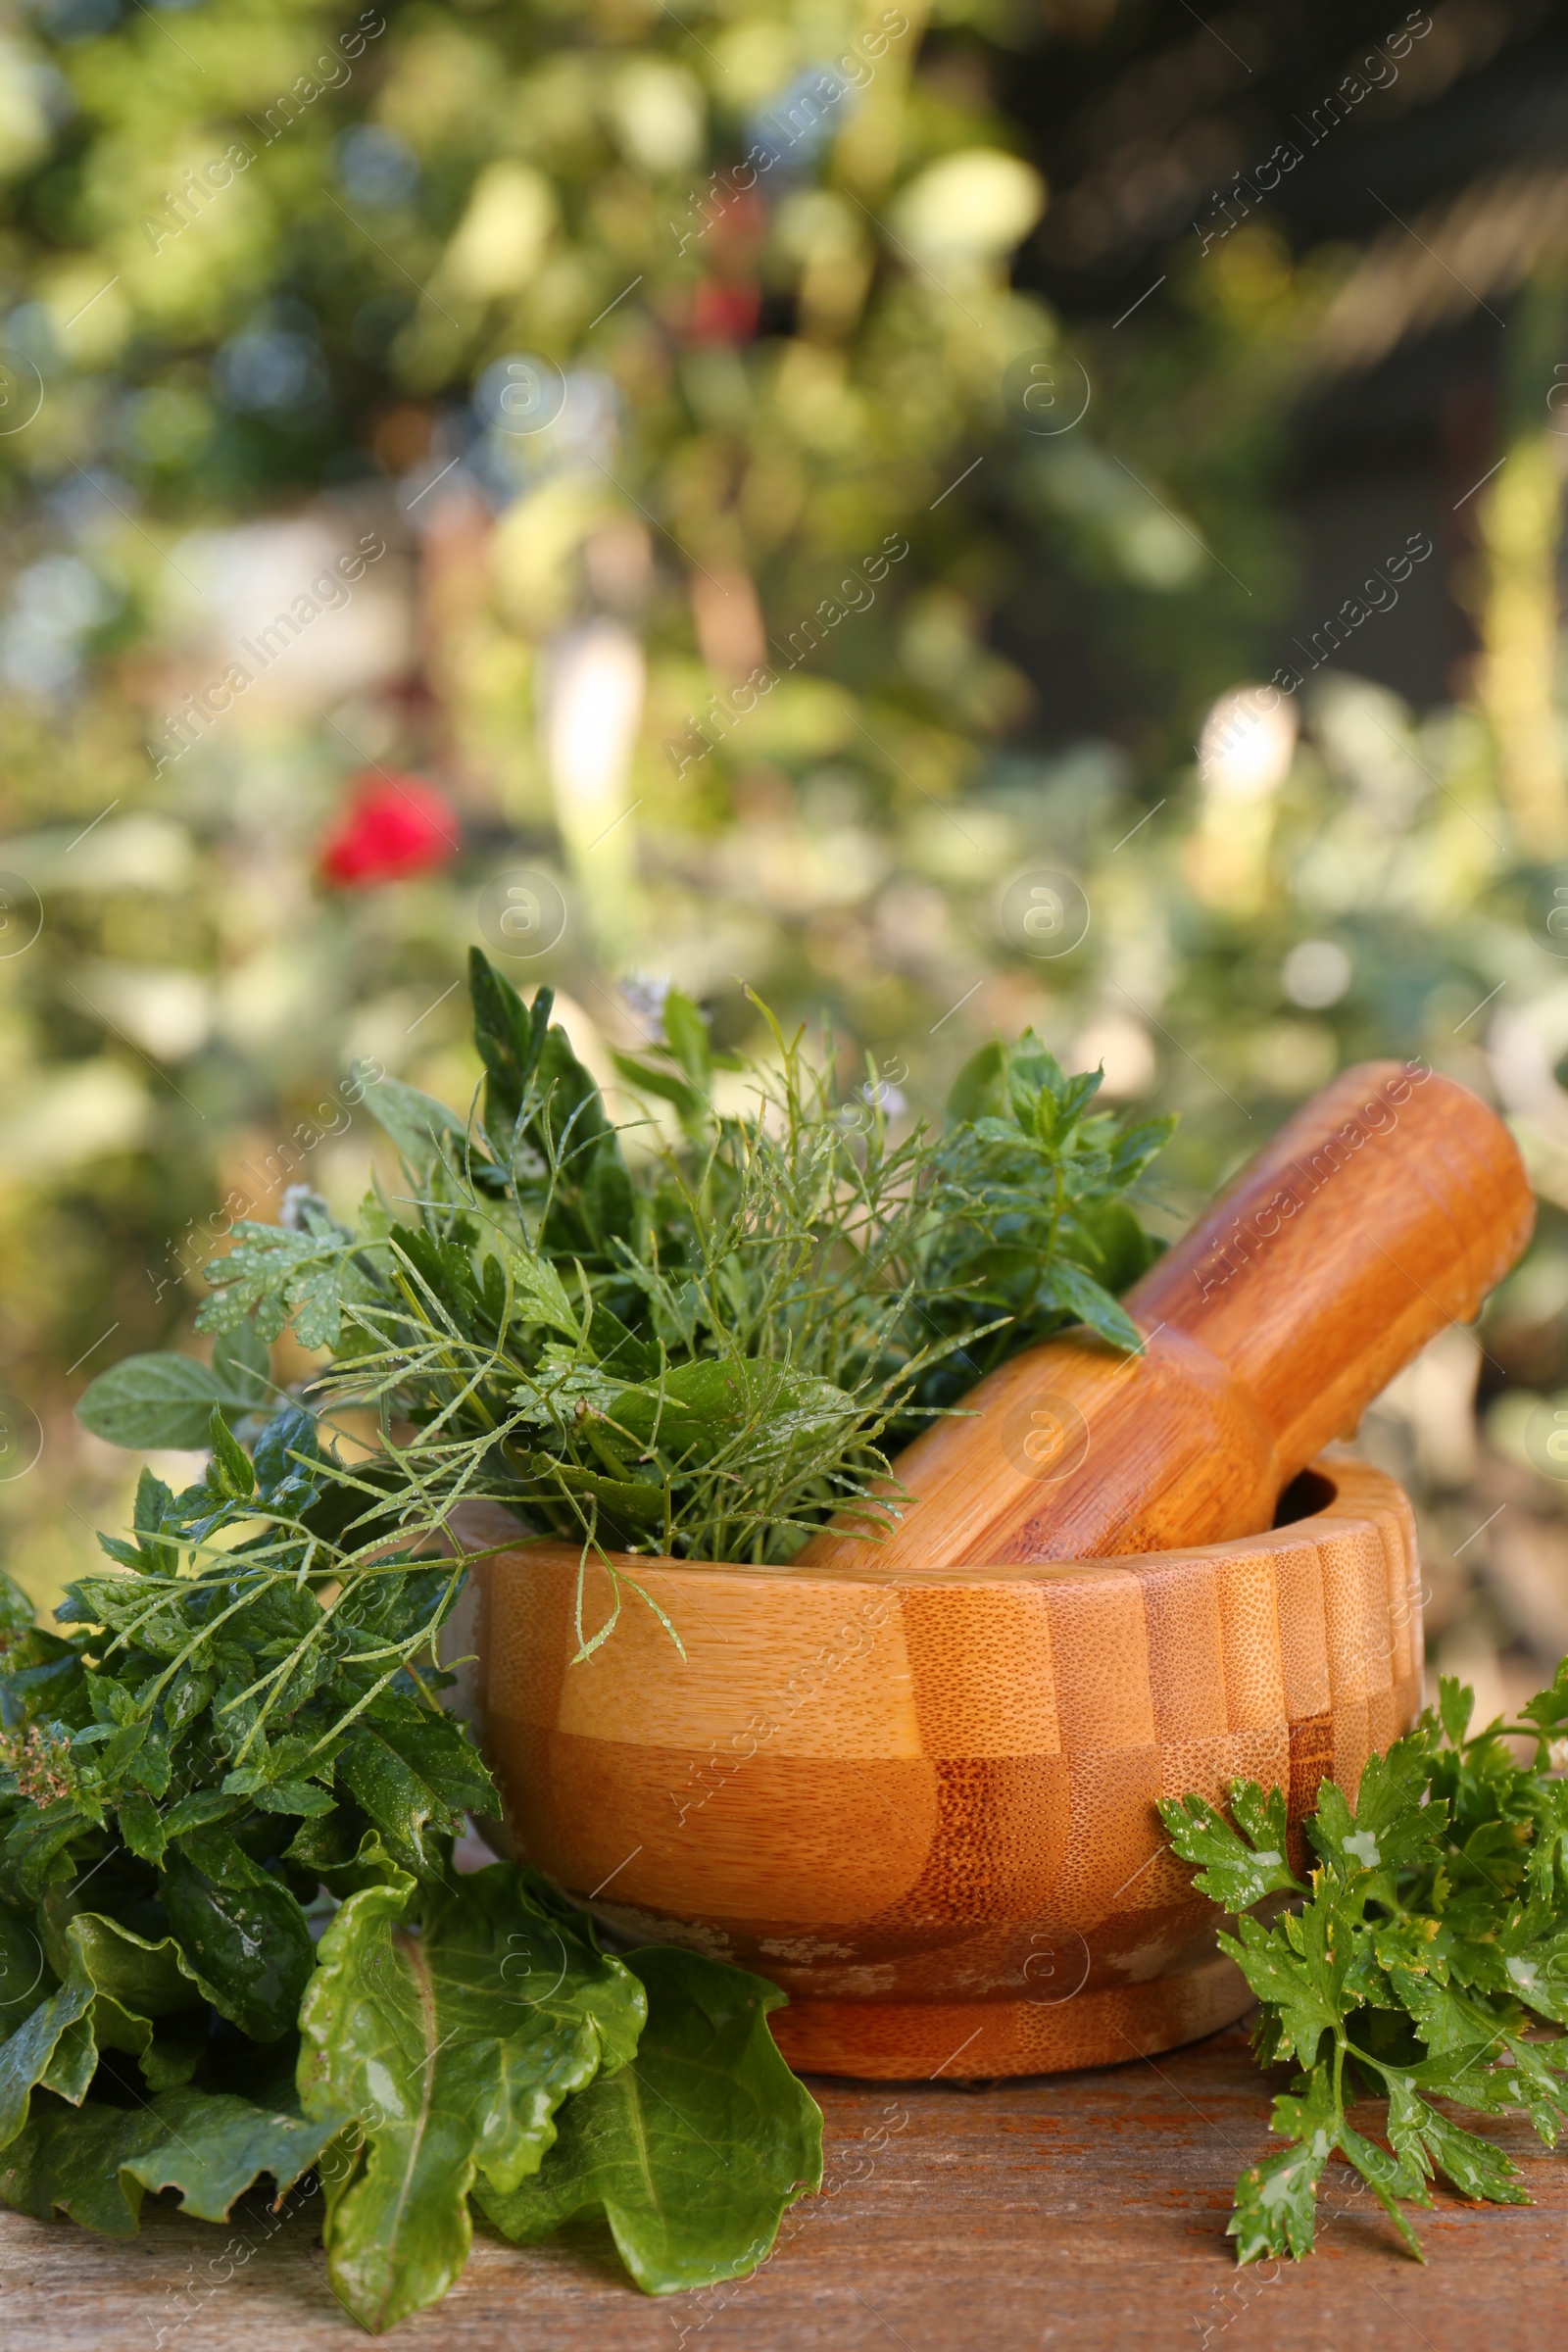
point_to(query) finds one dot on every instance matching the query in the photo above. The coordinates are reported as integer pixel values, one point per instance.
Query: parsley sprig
(1422, 1956)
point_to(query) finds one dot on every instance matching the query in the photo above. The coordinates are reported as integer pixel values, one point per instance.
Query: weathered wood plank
(1084, 2210)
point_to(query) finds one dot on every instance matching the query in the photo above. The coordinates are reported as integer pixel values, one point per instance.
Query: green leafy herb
(1422, 1955)
(95, 2161)
(156, 1401)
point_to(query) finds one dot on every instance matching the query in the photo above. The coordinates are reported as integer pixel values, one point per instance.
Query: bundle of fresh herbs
(232, 1941)
(702, 1344)
(1426, 1958)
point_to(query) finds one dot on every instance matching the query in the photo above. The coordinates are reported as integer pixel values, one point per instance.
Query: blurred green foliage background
(735, 491)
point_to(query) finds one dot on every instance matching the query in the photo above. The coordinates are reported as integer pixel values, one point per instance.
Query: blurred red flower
(724, 312)
(393, 826)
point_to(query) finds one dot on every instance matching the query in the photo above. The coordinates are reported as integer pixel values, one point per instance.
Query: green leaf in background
(451, 2046)
(693, 2150)
(687, 1038)
(17, 1608)
(157, 1401)
(418, 1123)
(96, 2162)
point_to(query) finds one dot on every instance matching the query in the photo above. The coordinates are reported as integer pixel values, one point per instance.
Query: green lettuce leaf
(693, 2150)
(48, 2046)
(96, 2162)
(99, 1986)
(450, 2049)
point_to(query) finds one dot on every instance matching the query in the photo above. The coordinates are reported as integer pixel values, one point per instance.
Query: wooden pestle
(1386, 1208)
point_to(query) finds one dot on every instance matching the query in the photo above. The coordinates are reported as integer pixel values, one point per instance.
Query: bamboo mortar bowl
(923, 1802)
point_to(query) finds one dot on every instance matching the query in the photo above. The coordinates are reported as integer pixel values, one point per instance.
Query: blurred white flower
(659, 114)
(1125, 1048)
(645, 993)
(1247, 742)
(970, 209)
(593, 709)
(1316, 972)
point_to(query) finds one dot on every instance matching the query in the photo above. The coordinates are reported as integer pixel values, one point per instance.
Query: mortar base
(958, 2041)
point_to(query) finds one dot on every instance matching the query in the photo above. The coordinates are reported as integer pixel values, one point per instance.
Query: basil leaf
(452, 2047)
(691, 2151)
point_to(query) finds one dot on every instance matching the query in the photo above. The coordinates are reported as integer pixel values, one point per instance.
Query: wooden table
(1075, 2210)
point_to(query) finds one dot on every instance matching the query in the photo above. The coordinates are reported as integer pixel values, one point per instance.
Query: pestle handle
(1385, 1210)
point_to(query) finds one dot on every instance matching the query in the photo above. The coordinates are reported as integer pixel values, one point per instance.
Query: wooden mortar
(922, 1798)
